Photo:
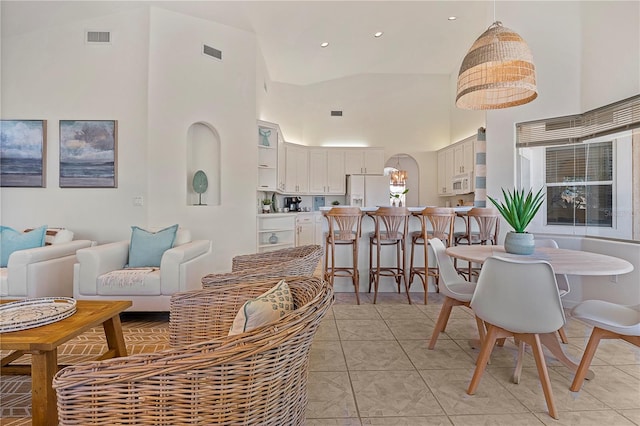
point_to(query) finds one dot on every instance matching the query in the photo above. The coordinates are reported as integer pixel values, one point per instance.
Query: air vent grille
(336, 113)
(98, 37)
(211, 51)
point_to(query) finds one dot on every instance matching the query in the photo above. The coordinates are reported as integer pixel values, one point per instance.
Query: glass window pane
(580, 205)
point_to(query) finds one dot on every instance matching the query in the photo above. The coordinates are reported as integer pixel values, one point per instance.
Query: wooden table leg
(550, 340)
(44, 365)
(115, 339)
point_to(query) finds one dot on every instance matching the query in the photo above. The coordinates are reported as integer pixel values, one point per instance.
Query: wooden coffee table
(42, 343)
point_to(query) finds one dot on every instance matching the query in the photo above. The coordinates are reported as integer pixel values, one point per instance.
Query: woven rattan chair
(301, 260)
(257, 377)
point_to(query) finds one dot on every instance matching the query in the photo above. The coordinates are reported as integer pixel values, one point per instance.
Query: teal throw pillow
(12, 240)
(147, 248)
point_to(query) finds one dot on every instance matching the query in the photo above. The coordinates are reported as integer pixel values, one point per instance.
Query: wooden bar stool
(391, 225)
(441, 220)
(488, 221)
(344, 229)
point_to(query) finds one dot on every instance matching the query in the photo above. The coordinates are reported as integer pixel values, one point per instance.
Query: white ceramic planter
(519, 243)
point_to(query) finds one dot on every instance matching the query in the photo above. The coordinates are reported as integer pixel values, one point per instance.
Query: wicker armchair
(296, 261)
(257, 377)
(301, 260)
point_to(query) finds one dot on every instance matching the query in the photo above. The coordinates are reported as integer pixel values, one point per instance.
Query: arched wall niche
(203, 153)
(406, 162)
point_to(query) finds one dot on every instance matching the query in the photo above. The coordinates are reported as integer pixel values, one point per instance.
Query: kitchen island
(343, 254)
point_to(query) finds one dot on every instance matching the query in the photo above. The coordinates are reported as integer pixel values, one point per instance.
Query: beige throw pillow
(269, 306)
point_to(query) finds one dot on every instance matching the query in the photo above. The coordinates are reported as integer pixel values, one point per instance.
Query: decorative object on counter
(519, 210)
(335, 203)
(497, 72)
(264, 136)
(200, 185)
(274, 202)
(273, 239)
(396, 197)
(318, 201)
(266, 205)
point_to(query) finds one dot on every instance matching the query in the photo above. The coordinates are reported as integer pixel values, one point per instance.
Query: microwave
(462, 184)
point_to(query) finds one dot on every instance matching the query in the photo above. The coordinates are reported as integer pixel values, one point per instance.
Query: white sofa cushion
(4, 283)
(126, 282)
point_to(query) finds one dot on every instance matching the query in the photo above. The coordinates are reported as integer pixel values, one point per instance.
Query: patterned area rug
(143, 333)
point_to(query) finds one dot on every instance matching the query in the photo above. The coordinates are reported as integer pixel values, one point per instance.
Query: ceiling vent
(211, 52)
(97, 37)
(336, 113)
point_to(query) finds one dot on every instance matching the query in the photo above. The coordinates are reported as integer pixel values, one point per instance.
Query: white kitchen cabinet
(297, 165)
(267, 142)
(305, 229)
(463, 157)
(366, 161)
(326, 171)
(445, 172)
(276, 231)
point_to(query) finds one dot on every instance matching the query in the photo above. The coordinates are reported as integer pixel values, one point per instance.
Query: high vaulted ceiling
(418, 38)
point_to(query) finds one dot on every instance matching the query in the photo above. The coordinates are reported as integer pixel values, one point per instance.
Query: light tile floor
(370, 366)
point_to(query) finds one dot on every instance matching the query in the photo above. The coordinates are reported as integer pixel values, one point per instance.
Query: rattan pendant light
(498, 71)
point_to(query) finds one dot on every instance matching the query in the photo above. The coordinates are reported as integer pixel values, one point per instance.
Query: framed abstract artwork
(88, 154)
(23, 152)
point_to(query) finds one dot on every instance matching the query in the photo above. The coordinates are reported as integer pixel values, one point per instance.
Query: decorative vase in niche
(519, 243)
(264, 136)
(273, 238)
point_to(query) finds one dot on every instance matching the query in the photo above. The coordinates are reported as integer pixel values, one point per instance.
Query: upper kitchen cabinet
(297, 166)
(365, 161)
(268, 137)
(463, 156)
(445, 172)
(326, 171)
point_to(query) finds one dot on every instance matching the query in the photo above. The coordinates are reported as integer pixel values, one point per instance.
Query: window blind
(609, 119)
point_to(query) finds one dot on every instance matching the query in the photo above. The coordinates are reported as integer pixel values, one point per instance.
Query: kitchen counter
(411, 209)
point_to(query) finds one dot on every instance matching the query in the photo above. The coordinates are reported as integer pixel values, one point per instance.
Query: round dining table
(563, 261)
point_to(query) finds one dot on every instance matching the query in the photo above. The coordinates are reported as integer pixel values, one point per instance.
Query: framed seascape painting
(23, 148)
(88, 153)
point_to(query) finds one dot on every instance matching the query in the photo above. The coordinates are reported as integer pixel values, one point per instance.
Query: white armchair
(45, 271)
(100, 273)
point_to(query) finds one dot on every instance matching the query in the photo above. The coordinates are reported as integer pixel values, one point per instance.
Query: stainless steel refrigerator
(368, 190)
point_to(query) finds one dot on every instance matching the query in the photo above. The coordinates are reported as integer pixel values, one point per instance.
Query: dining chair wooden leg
(519, 361)
(443, 318)
(482, 332)
(587, 357)
(543, 373)
(485, 352)
(563, 336)
(356, 275)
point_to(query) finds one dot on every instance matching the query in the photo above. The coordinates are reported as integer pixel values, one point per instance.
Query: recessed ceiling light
(378, 34)
(324, 44)
(452, 18)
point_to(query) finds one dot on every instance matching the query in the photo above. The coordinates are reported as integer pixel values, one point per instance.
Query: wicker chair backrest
(301, 260)
(258, 377)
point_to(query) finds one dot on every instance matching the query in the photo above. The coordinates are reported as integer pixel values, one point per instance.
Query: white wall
(402, 113)
(52, 74)
(187, 87)
(610, 52)
(155, 82)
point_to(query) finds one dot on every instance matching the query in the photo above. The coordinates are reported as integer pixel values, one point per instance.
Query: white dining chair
(561, 279)
(609, 321)
(456, 289)
(519, 299)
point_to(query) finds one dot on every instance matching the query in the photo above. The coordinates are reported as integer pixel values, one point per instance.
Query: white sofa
(42, 271)
(181, 269)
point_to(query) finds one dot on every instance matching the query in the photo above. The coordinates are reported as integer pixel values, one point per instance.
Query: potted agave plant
(519, 209)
